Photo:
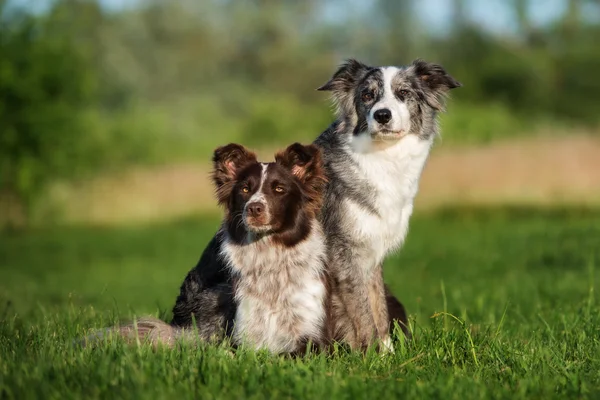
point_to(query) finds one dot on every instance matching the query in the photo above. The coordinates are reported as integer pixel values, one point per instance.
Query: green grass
(502, 303)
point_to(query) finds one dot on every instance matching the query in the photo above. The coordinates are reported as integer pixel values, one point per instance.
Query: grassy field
(502, 304)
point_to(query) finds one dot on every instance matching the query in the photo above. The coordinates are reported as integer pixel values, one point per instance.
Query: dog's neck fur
(390, 176)
(394, 173)
(279, 290)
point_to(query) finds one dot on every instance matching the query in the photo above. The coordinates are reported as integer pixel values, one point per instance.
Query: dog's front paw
(386, 345)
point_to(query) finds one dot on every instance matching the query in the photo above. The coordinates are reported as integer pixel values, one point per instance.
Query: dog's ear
(342, 84)
(346, 77)
(303, 161)
(435, 81)
(306, 163)
(227, 162)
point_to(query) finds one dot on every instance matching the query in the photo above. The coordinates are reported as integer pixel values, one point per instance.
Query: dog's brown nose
(255, 209)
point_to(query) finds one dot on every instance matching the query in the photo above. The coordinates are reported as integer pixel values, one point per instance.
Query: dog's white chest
(279, 326)
(394, 174)
(279, 292)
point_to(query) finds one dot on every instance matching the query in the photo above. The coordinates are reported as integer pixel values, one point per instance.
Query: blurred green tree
(44, 83)
(84, 87)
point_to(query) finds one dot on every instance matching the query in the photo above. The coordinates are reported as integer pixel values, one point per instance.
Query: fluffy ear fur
(306, 163)
(346, 76)
(434, 81)
(227, 162)
(344, 81)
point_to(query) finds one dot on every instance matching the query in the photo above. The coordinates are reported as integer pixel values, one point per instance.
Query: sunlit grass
(502, 305)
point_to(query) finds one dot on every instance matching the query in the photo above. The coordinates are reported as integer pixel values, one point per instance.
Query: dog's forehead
(266, 171)
(250, 171)
(389, 76)
(276, 171)
(398, 77)
(405, 76)
(373, 78)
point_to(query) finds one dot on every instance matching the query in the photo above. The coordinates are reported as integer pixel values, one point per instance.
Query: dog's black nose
(255, 209)
(383, 116)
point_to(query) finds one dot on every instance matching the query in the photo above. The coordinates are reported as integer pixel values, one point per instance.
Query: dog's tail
(144, 330)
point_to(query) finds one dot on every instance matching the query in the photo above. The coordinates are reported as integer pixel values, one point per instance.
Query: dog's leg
(356, 326)
(379, 308)
(328, 331)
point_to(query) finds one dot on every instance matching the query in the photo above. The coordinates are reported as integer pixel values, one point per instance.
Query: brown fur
(227, 161)
(352, 318)
(378, 303)
(306, 164)
(329, 326)
(344, 329)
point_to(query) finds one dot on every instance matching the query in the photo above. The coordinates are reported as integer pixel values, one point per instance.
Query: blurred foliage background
(90, 87)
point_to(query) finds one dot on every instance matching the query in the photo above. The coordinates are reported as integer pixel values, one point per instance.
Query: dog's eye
(245, 189)
(279, 189)
(403, 92)
(367, 96)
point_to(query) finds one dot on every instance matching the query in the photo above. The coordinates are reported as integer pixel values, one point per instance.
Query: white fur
(387, 345)
(291, 292)
(394, 172)
(400, 122)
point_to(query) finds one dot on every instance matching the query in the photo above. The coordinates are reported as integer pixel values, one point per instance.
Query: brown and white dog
(274, 246)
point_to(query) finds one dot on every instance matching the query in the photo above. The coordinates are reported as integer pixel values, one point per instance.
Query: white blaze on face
(400, 115)
(259, 195)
